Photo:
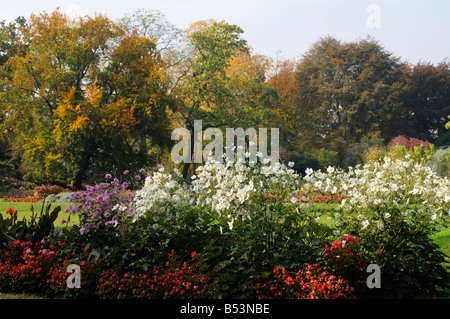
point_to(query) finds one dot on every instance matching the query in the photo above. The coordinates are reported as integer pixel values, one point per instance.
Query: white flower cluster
(384, 187)
(227, 188)
(161, 193)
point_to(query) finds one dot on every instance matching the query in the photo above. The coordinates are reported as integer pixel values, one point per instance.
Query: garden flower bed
(239, 230)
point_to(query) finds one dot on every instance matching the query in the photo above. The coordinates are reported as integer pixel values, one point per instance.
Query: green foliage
(395, 206)
(326, 157)
(412, 265)
(275, 236)
(303, 161)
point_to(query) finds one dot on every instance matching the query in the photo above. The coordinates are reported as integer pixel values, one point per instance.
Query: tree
(12, 43)
(347, 91)
(153, 24)
(85, 95)
(202, 89)
(427, 100)
(283, 81)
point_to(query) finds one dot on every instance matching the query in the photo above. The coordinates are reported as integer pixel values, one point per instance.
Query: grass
(19, 296)
(24, 210)
(442, 238)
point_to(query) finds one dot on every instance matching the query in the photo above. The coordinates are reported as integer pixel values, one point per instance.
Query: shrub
(408, 143)
(104, 211)
(373, 154)
(346, 258)
(44, 190)
(395, 206)
(238, 226)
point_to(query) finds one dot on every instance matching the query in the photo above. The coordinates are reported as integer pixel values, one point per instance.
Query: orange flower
(289, 281)
(11, 211)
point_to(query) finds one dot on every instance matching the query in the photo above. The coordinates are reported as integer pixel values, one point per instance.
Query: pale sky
(414, 30)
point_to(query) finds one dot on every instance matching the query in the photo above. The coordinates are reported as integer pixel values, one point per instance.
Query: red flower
(289, 281)
(11, 211)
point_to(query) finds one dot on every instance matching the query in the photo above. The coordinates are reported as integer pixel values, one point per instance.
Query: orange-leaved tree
(84, 95)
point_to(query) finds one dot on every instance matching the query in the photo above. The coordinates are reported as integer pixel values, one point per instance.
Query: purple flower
(108, 176)
(63, 221)
(142, 171)
(68, 209)
(138, 178)
(126, 172)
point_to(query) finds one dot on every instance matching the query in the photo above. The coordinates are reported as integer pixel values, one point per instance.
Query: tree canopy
(80, 97)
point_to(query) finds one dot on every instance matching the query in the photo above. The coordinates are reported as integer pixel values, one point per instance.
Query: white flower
(387, 215)
(291, 164)
(365, 223)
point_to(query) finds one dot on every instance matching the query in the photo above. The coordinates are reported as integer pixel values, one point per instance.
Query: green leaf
(93, 256)
(9, 238)
(54, 214)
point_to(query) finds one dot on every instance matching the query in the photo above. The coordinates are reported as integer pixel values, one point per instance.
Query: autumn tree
(347, 91)
(282, 79)
(12, 43)
(84, 96)
(253, 100)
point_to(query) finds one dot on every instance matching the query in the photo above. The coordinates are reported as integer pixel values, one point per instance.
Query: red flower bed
(310, 283)
(42, 268)
(30, 268)
(25, 266)
(345, 258)
(310, 198)
(173, 280)
(22, 199)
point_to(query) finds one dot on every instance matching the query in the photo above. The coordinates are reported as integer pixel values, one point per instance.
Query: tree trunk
(186, 166)
(81, 172)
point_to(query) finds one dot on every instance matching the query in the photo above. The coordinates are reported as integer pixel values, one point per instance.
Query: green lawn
(24, 209)
(442, 238)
